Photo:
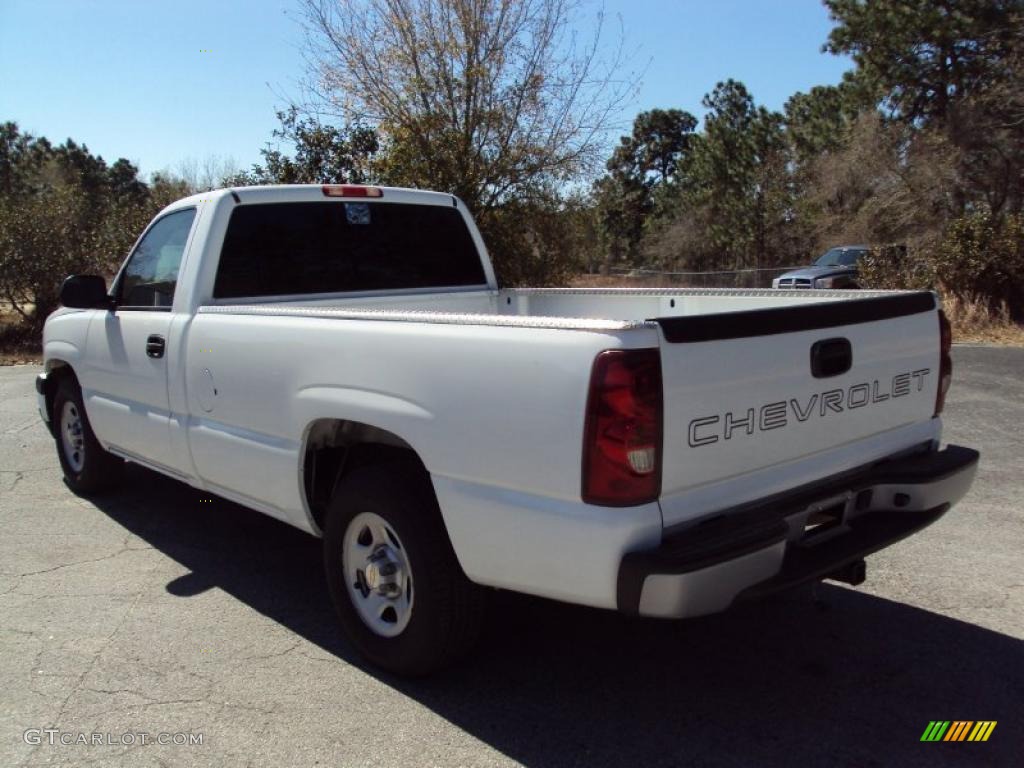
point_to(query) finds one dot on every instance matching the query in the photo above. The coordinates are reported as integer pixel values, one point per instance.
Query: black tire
(91, 470)
(446, 612)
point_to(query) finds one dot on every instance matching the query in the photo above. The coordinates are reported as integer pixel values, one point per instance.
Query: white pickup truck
(342, 359)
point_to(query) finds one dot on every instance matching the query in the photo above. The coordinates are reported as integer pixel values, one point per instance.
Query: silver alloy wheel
(72, 436)
(377, 574)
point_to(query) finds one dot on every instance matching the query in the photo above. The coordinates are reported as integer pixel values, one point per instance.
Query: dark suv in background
(836, 268)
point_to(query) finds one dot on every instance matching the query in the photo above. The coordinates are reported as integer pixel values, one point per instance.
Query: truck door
(125, 386)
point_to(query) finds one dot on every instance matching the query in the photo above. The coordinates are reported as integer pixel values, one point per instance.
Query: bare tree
(209, 172)
(888, 184)
(488, 99)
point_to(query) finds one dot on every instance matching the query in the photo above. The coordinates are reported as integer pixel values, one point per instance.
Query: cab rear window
(283, 249)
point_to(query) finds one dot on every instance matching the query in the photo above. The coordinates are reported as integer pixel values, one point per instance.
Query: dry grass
(974, 321)
(17, 344)
(620, 281)
(20, 355)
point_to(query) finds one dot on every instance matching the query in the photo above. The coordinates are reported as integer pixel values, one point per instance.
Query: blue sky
(132, 78)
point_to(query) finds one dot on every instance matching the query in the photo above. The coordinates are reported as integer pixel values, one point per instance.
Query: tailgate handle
(831, 357)
(155, 345)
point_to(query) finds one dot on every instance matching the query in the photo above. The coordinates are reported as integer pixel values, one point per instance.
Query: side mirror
(85, 292)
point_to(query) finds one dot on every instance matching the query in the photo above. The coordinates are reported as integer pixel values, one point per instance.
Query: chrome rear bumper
(782, 541)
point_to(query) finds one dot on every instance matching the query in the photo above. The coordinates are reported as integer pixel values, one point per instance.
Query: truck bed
(743, 414)
(606, 309)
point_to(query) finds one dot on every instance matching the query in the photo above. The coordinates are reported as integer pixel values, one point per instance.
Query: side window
(149, 277)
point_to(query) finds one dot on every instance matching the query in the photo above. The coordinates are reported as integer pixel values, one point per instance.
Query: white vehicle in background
(342, 359)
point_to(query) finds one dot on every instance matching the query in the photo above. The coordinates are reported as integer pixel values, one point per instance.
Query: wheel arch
(332, 448)
(56, 371)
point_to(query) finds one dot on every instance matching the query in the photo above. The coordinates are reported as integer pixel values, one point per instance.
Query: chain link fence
(734, 278)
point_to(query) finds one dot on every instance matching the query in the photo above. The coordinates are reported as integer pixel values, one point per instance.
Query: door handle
(155, 345)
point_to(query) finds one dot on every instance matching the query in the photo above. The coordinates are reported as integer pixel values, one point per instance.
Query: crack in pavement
(33, 636)
(34, 596)
(92, 664)
(97, 655)
(327, 659)
(79, 683)
(124, 548)
(246, 707)
(114, 691)
(19, 475)
(17, 479)
(105, 759)
(264, 657)
(21, 427)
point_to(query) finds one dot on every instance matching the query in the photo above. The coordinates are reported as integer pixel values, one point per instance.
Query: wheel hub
(72, 436)
(383, 573)
(378, 574)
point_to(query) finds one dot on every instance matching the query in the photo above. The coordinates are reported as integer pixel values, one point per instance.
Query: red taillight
(945, 361)
(351, 190)
(623, 428)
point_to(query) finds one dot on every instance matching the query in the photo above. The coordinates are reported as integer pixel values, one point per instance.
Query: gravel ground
(158, 610)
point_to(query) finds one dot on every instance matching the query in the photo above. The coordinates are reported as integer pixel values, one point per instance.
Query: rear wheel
(399, 591)
(88, 468)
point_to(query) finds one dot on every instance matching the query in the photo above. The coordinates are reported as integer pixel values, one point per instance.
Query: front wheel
(87, 467)
(396, 584)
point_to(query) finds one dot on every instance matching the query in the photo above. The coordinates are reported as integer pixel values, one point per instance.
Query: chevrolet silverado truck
(341, 358)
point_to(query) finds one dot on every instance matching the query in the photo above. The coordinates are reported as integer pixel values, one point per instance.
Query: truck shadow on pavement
(829, 676)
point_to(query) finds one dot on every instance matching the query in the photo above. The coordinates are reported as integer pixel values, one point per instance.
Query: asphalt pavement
(165, 612)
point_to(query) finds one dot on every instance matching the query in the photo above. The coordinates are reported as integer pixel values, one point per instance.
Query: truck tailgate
(745, 391)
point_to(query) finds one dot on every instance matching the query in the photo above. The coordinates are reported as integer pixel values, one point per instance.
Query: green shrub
(894, 267)
(983, 255)
(536, 243)
(980, 255)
